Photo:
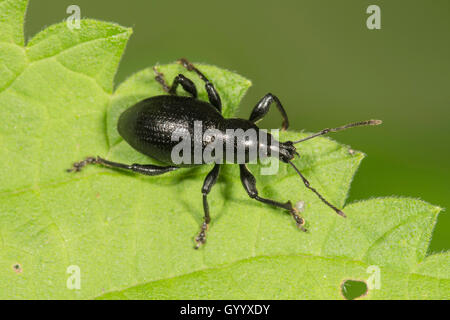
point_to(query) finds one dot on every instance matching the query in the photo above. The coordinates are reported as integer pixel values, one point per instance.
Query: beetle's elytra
(149, 126)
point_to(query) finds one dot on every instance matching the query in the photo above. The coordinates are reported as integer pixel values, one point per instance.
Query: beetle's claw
(77, 166)
(201, 237)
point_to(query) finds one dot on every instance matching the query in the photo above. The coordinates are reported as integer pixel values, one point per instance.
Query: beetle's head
(287, 151)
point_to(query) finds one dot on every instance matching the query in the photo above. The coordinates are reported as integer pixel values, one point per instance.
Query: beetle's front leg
(209, 182)
(263, 106)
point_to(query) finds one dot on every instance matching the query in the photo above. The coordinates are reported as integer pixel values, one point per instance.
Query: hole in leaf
(353, 289)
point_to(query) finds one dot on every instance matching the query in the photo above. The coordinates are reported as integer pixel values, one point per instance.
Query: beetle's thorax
(248, 142)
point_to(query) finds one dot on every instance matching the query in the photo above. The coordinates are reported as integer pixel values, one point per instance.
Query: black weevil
(148, 127)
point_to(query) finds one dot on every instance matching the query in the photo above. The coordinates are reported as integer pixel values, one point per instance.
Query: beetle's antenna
(347, 126)
(306, 182)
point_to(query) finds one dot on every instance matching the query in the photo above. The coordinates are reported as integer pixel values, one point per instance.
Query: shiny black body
(149, 127)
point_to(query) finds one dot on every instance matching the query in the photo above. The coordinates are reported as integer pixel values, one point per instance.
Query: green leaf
(132, 236)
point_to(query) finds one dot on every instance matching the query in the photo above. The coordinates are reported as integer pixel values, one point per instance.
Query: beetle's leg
(186, 83)
(249, 183)
(213, 95)
(159, 76)
(147, 169)
(262, 107)
(209, 182)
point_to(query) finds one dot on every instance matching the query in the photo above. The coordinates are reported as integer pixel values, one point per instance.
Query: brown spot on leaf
(17, 268)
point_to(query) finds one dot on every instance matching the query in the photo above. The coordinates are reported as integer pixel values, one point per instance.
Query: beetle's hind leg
(147, 169)
(249, 183)
(209, 182)
(213, 95)
(186, 83)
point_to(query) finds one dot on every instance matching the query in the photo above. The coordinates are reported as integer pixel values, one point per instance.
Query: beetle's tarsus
(201, 237)
(159, 77)
(185, 63)
(77, 166)
(299, 221)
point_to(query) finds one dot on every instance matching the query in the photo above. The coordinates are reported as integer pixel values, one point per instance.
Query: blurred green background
(324, 64)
